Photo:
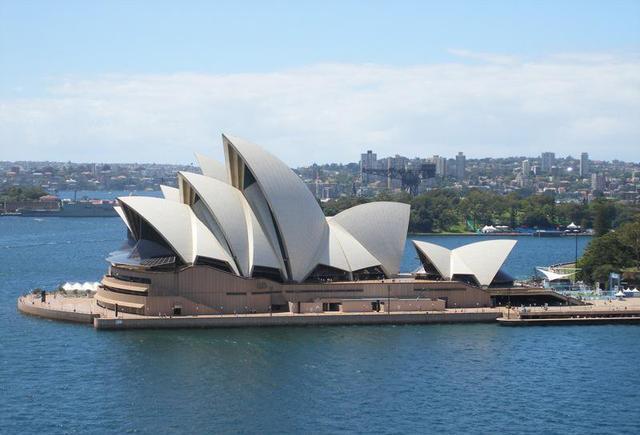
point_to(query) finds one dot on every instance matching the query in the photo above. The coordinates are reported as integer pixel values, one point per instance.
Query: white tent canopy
(552, 275)
(86, 286)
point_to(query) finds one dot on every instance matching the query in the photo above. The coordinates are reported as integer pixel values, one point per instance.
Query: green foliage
(611, 252)
(449, 210)
(332, 208)
(434, 211)
(538, 211)
(18, 193)
(604, 213)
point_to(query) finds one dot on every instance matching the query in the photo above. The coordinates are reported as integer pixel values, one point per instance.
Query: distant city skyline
(583, 158)
(122, 82)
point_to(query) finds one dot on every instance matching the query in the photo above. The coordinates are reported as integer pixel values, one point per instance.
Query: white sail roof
(356, 255)
(170, 193)
(344, 252)
(482, 260)
(257, 212)
(212, 168)
(296, 214)
(235, 220)
(439, 256)
(381, 228)
(180, 228)
(120, 212)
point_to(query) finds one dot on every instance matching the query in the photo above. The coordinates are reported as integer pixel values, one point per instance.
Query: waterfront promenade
(85, 310)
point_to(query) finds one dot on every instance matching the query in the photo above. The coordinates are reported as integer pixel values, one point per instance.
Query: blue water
(64, 378)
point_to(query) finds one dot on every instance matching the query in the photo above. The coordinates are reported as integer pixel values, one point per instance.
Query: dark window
(280, 308)
(267, 273)
(467, 279)
(324, 273)
(330, 306)
(368, 274)
(132, 278)
(249, 179)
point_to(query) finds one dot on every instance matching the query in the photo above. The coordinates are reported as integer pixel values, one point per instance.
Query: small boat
(548, 233)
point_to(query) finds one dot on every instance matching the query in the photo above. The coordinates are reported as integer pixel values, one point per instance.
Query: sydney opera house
(249, 237)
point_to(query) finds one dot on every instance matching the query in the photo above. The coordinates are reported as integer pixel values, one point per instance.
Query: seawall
(293, 320)
(25, 306)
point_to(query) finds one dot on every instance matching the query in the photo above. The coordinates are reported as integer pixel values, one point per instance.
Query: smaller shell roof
(439, 256)
(180, 228)
(482, 260)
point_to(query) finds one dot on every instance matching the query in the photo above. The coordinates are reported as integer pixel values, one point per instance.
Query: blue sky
(275, 65)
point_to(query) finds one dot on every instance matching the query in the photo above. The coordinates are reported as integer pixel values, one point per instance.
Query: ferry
(68, 208)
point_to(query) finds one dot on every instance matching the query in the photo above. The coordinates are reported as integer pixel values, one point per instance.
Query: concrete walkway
(85, 310)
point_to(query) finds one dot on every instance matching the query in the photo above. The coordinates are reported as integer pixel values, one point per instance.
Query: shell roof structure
(255, 217)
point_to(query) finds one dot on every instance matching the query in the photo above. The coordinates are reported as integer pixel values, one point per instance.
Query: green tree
(629, 236)
(604, 213)
(22, 193)
(611, 252)
(538, 211)
(479, 207)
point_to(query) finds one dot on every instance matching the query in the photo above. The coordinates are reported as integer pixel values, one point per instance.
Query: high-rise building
(460, 165)
(584, 164)
(526, 168)
(441, 166)
(397, 162)
(451, 167)
(597, 182)
(368, 160)
(547, 160)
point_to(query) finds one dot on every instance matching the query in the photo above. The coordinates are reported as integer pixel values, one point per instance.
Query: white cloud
(496, 106)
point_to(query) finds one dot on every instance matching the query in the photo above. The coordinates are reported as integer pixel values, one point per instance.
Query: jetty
(597, 312)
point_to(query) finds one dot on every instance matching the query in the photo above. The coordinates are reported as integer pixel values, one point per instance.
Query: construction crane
(410, 178)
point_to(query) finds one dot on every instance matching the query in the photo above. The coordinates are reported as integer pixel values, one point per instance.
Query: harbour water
(64, 378)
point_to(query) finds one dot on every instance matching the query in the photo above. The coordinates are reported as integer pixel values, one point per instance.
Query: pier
(596, 312)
